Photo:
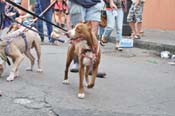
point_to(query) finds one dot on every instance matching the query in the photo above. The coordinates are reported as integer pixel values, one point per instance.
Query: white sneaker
(74, 68)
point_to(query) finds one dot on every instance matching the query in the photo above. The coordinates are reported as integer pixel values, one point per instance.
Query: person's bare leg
(132, 25)
(138, 28)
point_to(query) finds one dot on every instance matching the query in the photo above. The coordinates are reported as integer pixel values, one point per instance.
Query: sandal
(142, 33)
(137, 37)
(104, 40)
(132, 36)
(118, 48)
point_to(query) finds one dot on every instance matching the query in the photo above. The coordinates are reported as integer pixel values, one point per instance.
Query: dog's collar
(77, 40)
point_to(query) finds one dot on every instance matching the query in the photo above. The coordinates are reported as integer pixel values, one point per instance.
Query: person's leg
(48, 16)
(119, 27)
(100, 31)
(138, 18)
(133, 28)
(110, 25)
(75, 18)
(39, 24)
(93, 15)
(138, 27)
(56, 12)
(131, 20)
(68, 21)
(1, 21)
(141, 30)
(60, 19)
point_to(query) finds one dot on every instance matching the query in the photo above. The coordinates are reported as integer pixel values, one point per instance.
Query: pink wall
(159, 14)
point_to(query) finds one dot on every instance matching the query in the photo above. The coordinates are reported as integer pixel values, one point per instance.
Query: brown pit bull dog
(84, 45)
(20, 44)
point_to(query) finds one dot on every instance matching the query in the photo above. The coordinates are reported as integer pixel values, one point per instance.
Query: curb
(149, 45)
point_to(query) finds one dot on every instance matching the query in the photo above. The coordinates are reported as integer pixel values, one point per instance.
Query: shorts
(93, 13)
(135, 13)
(75, 13)
(58, 6)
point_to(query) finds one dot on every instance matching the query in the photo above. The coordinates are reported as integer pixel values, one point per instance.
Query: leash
(60, 40)
(31, 13)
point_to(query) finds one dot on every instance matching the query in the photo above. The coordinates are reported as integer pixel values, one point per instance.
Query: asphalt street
(138, 83)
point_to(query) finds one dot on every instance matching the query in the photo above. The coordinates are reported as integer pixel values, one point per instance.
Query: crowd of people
(70, 12)
(67, 13)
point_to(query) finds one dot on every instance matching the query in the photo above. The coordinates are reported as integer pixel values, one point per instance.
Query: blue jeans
(114, 22)
(93, 13)
(39, 23)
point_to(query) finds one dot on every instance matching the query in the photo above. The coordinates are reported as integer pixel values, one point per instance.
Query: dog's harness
(94, 50)
(22, 34)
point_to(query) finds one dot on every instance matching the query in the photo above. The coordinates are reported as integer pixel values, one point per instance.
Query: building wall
(159, 14)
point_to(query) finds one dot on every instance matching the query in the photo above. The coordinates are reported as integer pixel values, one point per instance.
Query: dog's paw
(11, 77)
(66, 82)
(29, 69)
(90, 86)
(39, 70)
(81, 95)
(86, 84)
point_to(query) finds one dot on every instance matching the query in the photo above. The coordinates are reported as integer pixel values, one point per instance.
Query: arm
(112, 5)
(137, 3)
(125, 5)
(25, 16)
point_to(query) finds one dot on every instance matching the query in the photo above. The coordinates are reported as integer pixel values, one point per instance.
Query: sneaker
(171, 62)
(74, 68)
(0, 93)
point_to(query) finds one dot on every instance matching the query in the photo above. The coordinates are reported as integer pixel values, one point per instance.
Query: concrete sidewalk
(158, 40)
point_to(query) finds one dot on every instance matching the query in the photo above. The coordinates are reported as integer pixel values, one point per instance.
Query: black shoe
(99, 74)
(118, 48)
(101, 43)
(74, 68)
(0, 93)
